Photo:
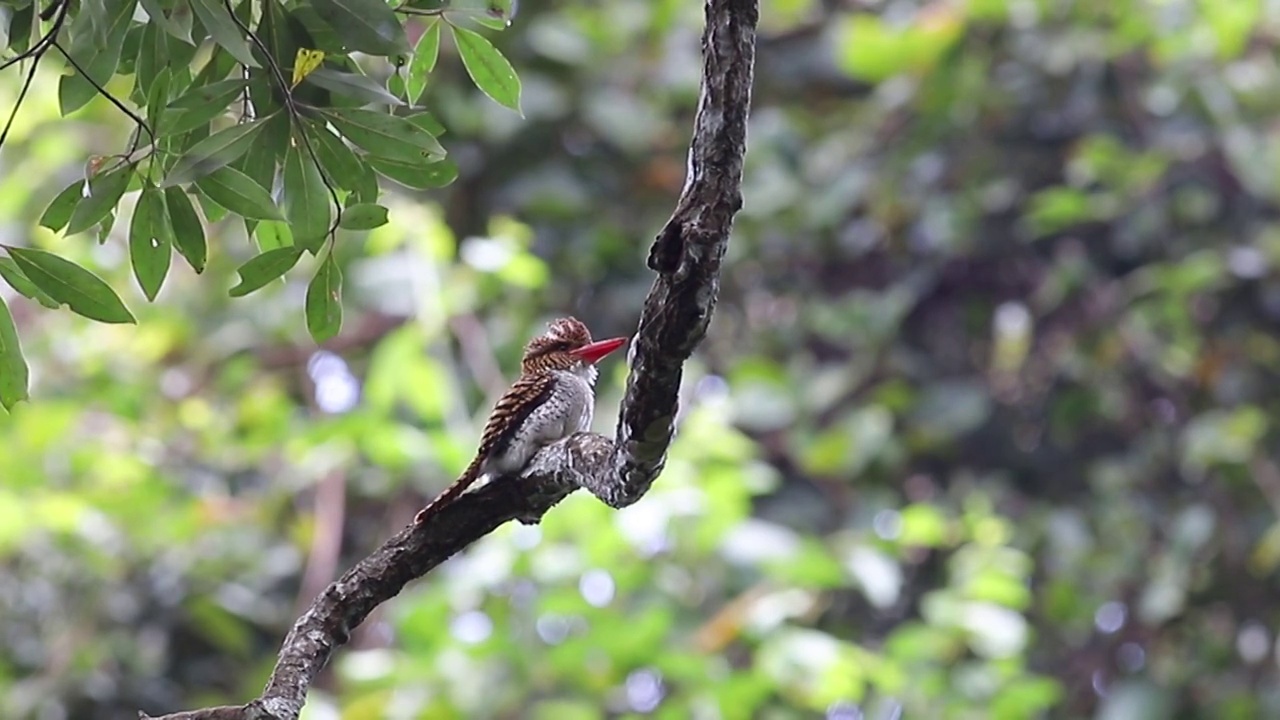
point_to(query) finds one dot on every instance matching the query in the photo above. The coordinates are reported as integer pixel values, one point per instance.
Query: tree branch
(58, 12)
(687, 255)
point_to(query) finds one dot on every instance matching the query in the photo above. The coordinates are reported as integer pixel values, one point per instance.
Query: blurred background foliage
(981, 428)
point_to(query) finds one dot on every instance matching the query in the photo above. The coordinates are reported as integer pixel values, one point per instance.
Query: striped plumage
(552, 399)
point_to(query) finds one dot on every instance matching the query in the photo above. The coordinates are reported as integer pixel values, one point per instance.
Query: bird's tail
(459, 486)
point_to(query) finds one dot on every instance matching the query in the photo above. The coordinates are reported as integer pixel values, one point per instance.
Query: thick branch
(687, 256)
(409, 555)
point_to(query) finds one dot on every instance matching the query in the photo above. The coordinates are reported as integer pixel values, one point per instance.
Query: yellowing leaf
(305, 63)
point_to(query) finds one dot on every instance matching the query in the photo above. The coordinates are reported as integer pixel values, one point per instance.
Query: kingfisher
(553, 398)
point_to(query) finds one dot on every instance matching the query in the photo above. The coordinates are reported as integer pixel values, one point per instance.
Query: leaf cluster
(286, 115)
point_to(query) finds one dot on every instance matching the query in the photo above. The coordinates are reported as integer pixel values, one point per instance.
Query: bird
(553, 398)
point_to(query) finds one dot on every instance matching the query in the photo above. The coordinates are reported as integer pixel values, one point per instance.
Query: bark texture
(686, 255)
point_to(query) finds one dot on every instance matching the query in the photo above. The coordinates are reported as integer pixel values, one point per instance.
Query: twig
(137, 119)
(53, 8)
(58, 11)
(437, 12)
(38, 50)
(619, 472)
(22, 95)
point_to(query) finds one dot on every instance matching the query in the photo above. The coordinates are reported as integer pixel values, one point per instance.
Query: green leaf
(424, 61)
(494, 17)
(152, 52)
(180, 144)
(98, 61)
(490, 71)
(200, 95)
(129, 50)
(71, 285)
(213, 152)
(13, 368)
(260, 162)
(178, 56)
(199, 105)
(264, 268)
(105, 191)
(427, 122)
(212, 211)
(306, 199)
(150, 241)
(339, 163)
(395, 84)
(385, 135)
(58, 214)
(16, 31)
(324, 300)
(156, 97)
(417, 175)
(179, 82)
(213, 14)
(275, 33)
(188, 231)
(20, 282)
(217, 68)
(104, 228)
(6, 17)
(366, 186)
(238, 193)
(368, 26)
(364, 216)
(95, 11)
(305, 23)
(352, 85)
(177, 23)
(272, 234)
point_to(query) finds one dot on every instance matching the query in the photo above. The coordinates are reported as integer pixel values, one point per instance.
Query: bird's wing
(513, 408)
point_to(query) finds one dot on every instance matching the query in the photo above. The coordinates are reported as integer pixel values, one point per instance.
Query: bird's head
(567, 345)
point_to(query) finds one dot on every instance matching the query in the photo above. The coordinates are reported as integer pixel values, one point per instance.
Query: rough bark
(687, 256)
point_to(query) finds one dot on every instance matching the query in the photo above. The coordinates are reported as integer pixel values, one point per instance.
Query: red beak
(596, 351)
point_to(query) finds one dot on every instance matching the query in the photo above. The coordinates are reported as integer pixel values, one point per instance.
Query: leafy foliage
(982, 429)
(221, 121)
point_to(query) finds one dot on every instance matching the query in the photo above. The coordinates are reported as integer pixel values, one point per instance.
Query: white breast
(574, 393)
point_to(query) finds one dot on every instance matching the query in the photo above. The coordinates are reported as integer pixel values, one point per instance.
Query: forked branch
(687, 256)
